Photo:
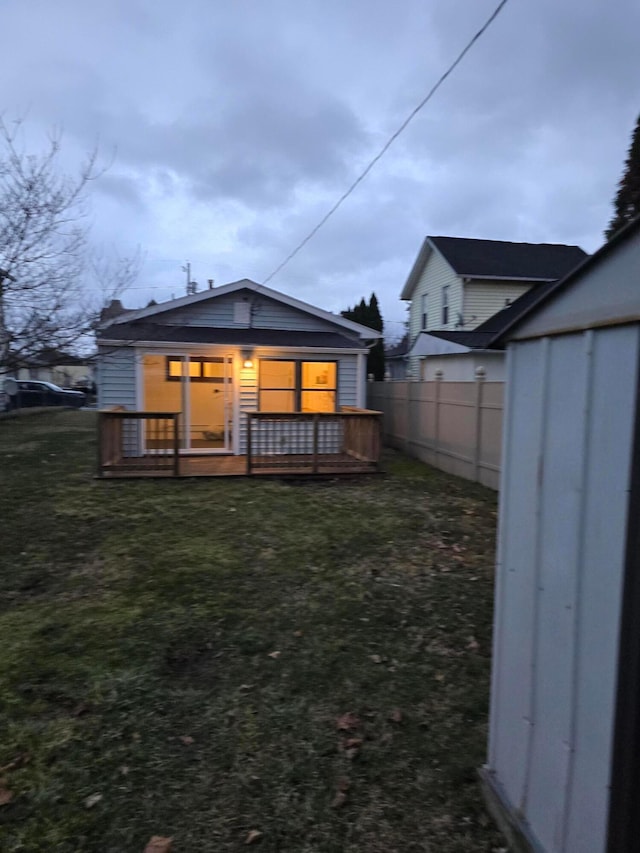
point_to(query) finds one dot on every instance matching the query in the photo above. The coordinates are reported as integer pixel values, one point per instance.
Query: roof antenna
(192, 286)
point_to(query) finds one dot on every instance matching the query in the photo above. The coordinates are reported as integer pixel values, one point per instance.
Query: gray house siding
(266, 313)
(116, 377)
(563, 516)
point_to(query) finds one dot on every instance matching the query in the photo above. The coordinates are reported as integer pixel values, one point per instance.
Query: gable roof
(246, 284)
(542, 298)
(497, 260)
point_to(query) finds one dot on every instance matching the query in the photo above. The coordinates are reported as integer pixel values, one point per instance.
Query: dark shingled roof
(141, 331)
(500, 259)
(471, 339)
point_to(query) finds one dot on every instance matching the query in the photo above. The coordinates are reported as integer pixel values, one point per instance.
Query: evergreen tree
(627, 203)
(375, 359)
(369, 315)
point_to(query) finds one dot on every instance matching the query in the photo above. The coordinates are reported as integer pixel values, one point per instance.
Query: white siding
(436, 274)
(266, 314)
(570, 422)
(483, 299)
(116, 377)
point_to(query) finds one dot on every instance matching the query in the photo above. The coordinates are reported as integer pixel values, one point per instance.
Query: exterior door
(201, 389)
(210, 397)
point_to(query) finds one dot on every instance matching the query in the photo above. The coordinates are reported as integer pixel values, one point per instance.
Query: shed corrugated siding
(436, 274)
(484, 299)
(268, 314)
(561, 544)
(248, 396)
(116, 377)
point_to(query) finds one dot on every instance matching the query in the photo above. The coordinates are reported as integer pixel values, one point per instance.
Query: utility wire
(391, 140)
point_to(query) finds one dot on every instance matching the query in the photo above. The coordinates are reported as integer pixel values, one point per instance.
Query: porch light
(247, 361)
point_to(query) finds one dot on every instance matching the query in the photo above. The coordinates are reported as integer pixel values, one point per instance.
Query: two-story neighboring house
(457, 283)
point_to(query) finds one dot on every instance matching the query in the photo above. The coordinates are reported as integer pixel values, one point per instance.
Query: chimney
(113, 310)
(210, 280)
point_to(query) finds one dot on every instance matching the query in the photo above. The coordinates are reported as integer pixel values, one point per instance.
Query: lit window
(198, 369)
(298, 386)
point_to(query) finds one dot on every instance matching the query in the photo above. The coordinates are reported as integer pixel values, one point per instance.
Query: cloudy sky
(231, 127)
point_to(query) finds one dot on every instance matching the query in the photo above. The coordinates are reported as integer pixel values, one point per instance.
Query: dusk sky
(231, 129)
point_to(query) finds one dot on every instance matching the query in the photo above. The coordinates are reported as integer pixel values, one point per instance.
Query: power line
(391, 139)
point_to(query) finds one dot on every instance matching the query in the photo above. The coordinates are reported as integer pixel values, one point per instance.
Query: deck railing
(144, 443)
(348, 441)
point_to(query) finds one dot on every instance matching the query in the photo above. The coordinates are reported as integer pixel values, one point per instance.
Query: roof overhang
(191, 346)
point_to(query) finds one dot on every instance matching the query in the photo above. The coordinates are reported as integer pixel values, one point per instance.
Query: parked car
(25, 393)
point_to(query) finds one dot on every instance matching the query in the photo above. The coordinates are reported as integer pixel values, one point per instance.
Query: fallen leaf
(5, 796)
(273, 655)
(347, 722)
(187, 740)
(18, 761)
(353, 743)
(82, 708)
(387, 737)
(92, 801)
(473, 645)
(396, 715)
(439, 677)
(339, 800)
(375, 658)
(253, 836)
(124, 770)
(298, 633)
(344, 783)
(246, 687)
(158, 844)
(351, 753)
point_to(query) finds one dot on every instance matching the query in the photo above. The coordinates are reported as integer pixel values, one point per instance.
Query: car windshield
(52, 386)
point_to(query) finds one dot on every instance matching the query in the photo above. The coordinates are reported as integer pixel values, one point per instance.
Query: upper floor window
(424, 314)
(445, 305)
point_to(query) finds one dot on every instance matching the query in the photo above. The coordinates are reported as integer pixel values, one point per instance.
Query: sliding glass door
(201, 388)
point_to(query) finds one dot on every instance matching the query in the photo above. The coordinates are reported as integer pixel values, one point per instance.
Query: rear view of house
(222, 357)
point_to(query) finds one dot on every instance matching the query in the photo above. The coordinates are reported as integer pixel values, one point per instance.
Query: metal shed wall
(569, 430)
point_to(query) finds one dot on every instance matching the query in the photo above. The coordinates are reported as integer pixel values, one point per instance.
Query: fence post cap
(480, 372)
(439, 373)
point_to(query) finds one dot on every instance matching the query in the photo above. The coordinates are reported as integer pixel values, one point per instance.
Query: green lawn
(188, 652)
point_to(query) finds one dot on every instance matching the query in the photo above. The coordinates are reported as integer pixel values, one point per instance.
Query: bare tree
(52, 284)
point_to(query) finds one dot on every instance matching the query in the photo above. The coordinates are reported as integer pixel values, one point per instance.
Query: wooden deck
(278, 444)
(236, 466)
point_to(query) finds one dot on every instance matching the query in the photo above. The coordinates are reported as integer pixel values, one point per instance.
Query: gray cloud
(237, 125)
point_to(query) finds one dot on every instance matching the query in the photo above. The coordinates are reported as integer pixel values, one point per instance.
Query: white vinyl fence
(454, 426)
